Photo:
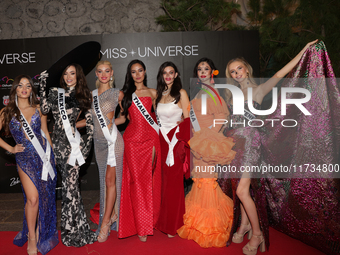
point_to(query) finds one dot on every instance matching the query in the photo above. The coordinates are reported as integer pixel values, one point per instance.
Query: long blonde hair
(230, 80)
(111, 82)
(244, 62)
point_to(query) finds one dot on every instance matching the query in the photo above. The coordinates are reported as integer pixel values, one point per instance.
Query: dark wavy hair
(129, 85)
(161, 85)
(208, 60)
(83, 94)
(11, 109)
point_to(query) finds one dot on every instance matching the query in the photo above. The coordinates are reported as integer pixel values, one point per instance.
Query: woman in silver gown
(105, 101)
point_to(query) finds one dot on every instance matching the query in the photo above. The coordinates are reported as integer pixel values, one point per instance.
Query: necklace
(166, 92)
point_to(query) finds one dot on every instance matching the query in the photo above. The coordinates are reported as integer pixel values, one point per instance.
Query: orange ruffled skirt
(209, 214)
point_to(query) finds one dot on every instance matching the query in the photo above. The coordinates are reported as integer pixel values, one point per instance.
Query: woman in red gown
(141, 185)
(172, 103)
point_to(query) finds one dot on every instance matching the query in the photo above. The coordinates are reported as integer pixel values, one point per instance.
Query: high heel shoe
(251, 250)
(31, 252)
(142, 238)
(238, 238)
(114, 218)
(103, 237)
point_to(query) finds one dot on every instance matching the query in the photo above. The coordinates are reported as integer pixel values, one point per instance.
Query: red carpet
(159, 243)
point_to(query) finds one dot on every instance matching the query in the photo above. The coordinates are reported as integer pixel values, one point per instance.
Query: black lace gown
(75, 230)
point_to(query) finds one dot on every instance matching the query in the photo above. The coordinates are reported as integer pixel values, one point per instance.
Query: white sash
(248, 115)
(45, 157)
(170, 160)
(144, 112)
(193, 119)
(111, 138)
(73, 140)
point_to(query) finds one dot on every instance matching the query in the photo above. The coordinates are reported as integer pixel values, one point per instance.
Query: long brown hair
(161, 85)
(11, 110)
(83, 94)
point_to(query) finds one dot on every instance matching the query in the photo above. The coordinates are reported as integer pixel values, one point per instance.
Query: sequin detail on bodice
(108, 103)
(19, 134)
(241, 118)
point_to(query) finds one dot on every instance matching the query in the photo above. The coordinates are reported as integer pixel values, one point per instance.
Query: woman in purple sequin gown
(307, 208)
(40, 217)
(248, 151)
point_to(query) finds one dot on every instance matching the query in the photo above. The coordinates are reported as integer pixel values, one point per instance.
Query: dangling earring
(16, 100)
(31, 99)
(248, 77)
(111, 78)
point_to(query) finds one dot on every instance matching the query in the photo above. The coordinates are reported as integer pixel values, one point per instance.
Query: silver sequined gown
(108, 101)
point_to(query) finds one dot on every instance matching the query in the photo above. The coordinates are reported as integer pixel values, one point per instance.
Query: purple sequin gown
(30, 162)
(304, 208)
(248, 153)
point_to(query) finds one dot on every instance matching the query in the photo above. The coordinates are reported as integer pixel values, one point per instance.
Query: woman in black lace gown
(75, 230)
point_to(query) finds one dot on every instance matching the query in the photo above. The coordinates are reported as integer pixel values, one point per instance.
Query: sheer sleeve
(89, 130)
(45, 103)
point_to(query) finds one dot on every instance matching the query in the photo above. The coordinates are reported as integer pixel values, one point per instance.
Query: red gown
(173, 203)
(141, 185)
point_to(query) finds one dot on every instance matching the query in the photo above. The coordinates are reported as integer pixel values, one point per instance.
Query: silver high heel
(103, 237)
